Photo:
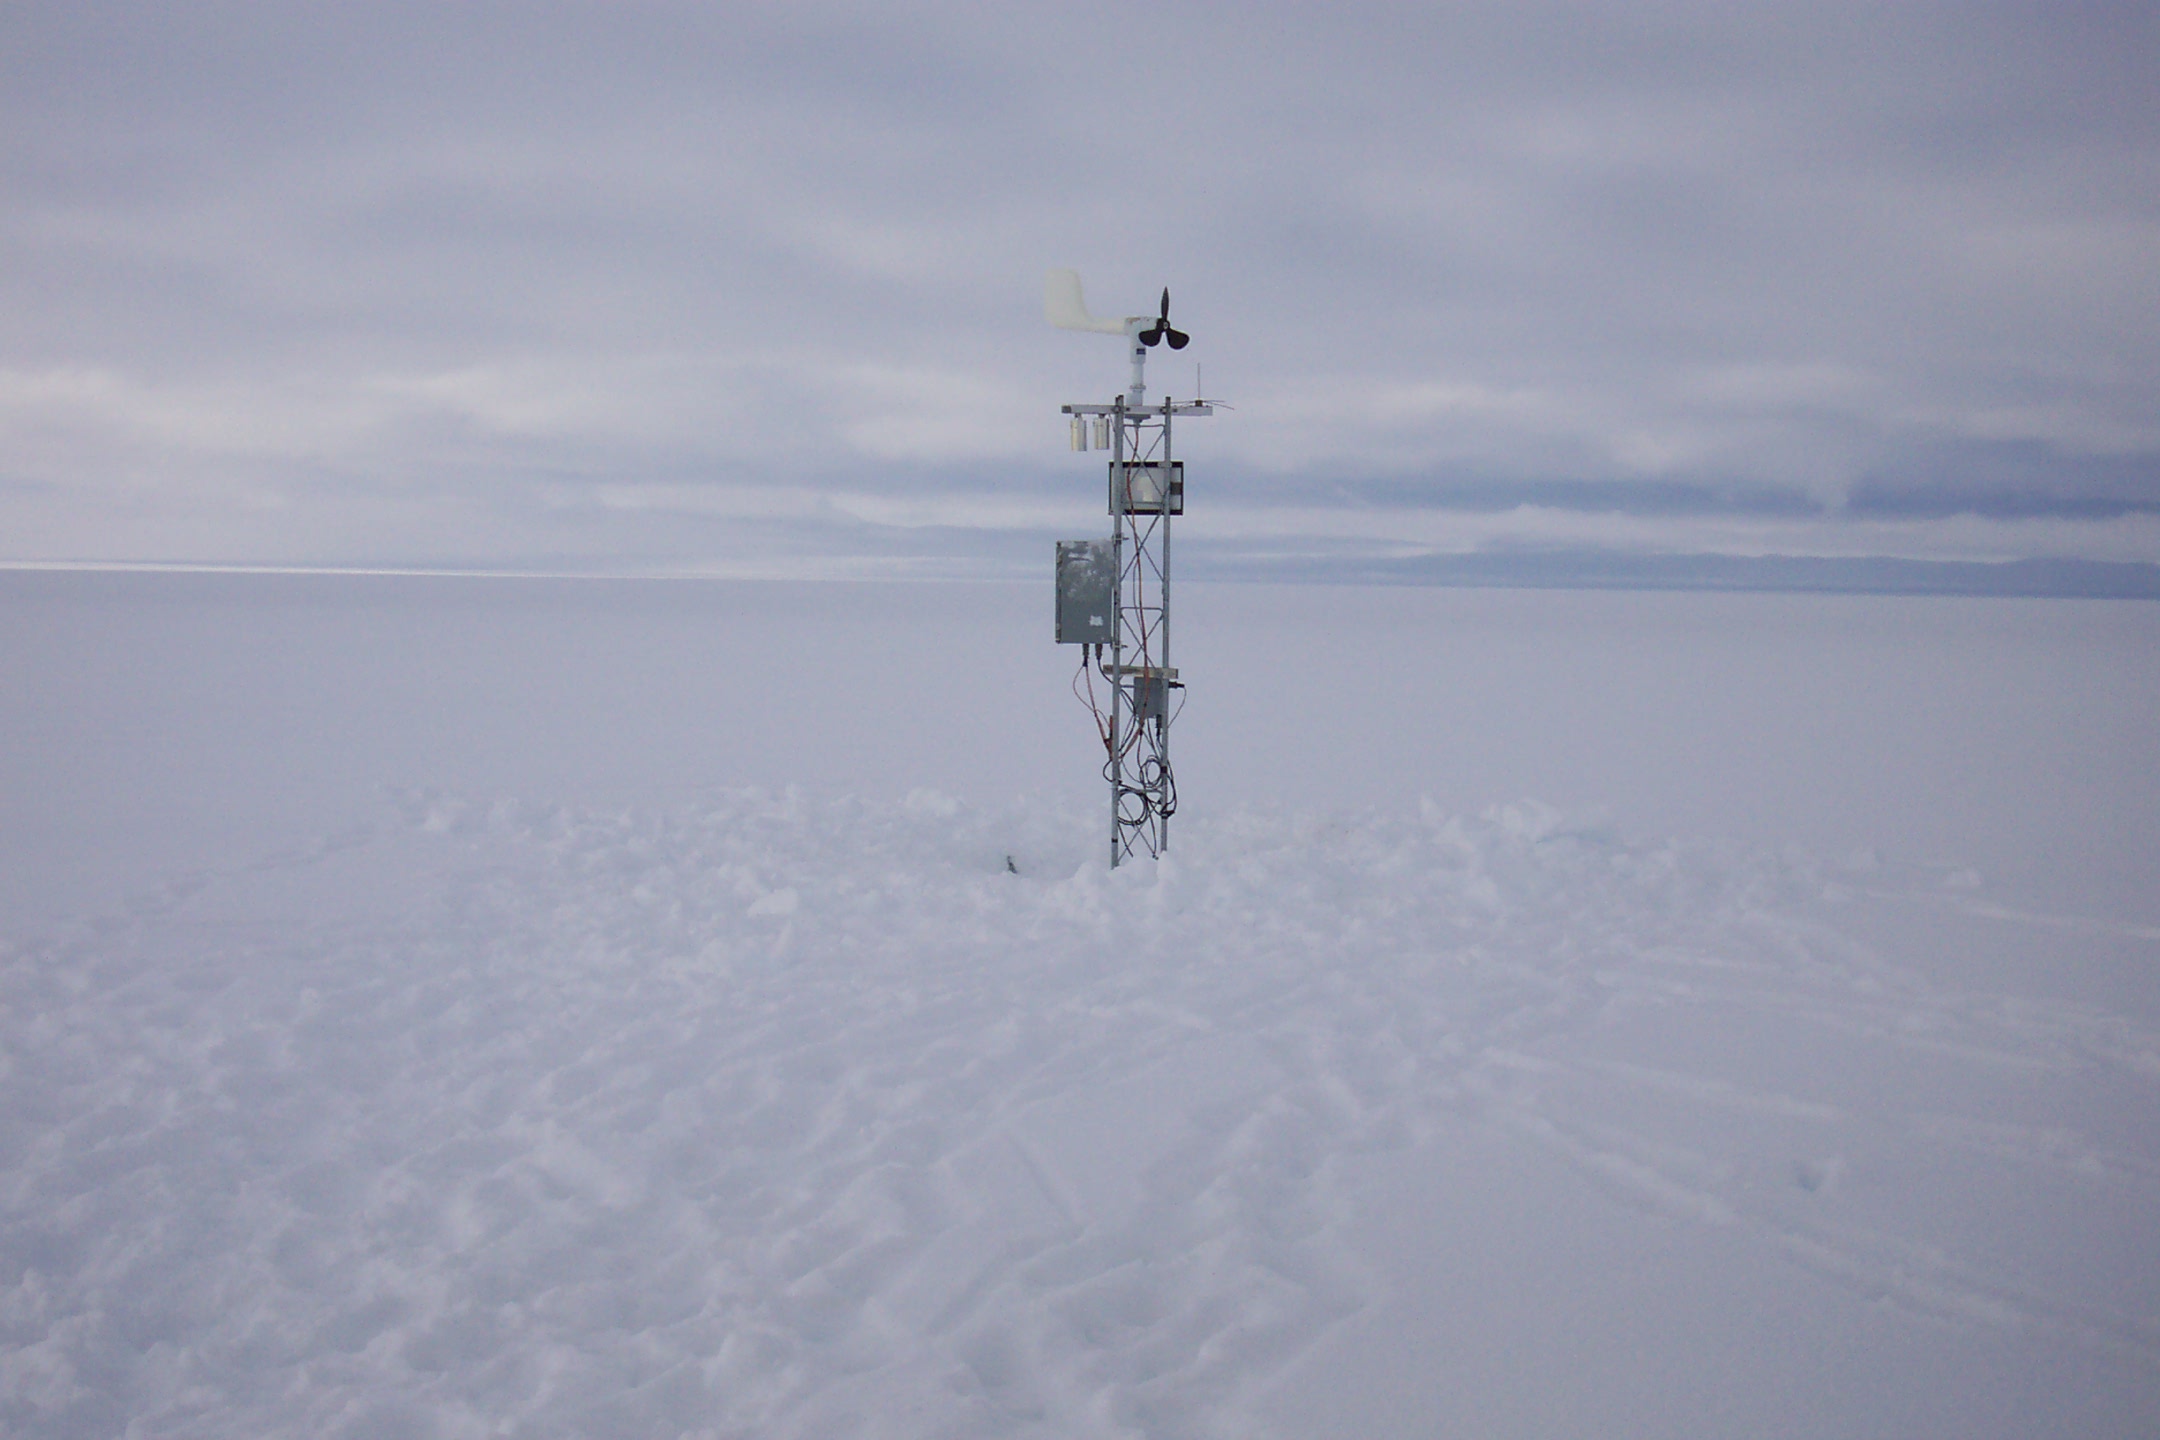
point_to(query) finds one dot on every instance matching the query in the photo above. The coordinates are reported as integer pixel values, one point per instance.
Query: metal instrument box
(1086, 592)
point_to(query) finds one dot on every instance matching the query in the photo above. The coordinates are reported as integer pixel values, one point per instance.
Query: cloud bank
(756, 288)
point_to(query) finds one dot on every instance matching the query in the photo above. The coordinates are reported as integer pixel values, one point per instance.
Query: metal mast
(1114, 596)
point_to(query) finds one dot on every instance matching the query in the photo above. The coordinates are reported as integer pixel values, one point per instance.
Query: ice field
(437, 1007)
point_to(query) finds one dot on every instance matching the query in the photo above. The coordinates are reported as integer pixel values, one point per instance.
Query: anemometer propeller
(1161, 330)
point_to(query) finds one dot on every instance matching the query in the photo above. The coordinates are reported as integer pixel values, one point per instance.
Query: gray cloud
(638, 284)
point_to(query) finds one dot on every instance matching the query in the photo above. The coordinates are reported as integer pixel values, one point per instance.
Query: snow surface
(461, 1008)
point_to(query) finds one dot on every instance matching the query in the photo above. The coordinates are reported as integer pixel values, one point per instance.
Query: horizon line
(2029, 577)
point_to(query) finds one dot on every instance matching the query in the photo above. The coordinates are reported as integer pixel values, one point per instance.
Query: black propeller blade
(1160, 330)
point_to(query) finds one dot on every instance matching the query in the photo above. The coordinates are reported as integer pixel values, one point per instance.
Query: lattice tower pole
(1146, 494)
(1117, 594)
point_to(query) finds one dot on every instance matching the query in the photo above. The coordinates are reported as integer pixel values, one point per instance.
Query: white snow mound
(783, 1115)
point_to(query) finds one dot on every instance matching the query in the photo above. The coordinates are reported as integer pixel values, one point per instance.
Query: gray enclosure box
(1148, 694)
(1086, 591)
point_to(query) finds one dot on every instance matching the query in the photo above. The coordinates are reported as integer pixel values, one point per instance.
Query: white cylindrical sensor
(1102, 432)
(1079, 432)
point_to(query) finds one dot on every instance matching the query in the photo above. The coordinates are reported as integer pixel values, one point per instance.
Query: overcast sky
(737, 287)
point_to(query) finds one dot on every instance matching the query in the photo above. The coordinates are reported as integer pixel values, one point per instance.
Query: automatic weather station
(1113, 596)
